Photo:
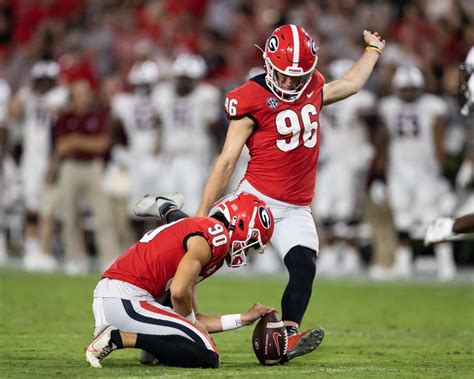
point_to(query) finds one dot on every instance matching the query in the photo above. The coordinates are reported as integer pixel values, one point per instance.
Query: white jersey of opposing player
(345, 156)
(39, 112)
(411, 127)
(185, 119)
(139, 120)
(4, 99)
(344, 130)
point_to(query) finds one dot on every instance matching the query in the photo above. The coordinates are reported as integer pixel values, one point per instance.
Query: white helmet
(339, 67)
(45, 69)
(405, 77)
(189, 65)
(143, 73)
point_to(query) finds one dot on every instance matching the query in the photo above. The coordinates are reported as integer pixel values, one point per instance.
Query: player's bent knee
(213, 360)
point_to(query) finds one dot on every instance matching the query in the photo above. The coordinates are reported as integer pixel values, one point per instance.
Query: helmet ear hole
(241, 225)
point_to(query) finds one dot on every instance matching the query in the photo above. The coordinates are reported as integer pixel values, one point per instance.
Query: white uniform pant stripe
(130, 316)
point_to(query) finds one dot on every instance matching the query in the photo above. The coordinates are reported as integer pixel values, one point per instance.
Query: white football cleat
(100, 347)
(153, 206)
(439, 230)
(40, 262)
(379, 273)
(76, 268)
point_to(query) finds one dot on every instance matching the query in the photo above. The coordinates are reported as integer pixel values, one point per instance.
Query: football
(269, 339)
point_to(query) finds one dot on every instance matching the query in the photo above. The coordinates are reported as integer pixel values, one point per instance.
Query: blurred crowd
(103, 101)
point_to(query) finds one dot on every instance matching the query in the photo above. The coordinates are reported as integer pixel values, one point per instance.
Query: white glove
(439, 230)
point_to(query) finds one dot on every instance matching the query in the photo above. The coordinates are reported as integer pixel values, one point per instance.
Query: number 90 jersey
(152, 262)
(284, 146)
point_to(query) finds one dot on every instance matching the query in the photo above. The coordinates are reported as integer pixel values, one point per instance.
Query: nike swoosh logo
(277, 342)
(310, 94)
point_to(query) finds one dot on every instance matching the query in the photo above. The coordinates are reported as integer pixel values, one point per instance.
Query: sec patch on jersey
(269, 339)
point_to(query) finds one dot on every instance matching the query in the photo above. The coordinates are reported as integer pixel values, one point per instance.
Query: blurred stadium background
(116, 60)
(156, 124)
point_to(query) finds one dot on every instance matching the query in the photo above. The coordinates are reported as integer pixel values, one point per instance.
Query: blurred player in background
(189, 110)
(418, 193)
(445, 228)
(82, 141)
(277, 116)
(140, 124)
(5, 94)
(36, 106)
(147, 298)
(346, 154)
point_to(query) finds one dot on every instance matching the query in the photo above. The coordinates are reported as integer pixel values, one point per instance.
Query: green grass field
(373, 330)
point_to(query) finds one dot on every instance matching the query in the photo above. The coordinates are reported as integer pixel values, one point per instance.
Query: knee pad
(301, 263)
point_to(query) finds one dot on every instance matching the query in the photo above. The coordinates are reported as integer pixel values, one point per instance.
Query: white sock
(445, 260)
(403, 261)
(3, 248)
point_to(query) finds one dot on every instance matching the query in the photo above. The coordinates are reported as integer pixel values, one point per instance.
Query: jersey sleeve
(238, 102)
(437, 106)
(211, 98)
(217, 237)
(57, 98)
(319, 78)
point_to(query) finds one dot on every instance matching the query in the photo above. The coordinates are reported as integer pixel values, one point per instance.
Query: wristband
(230, 322)
(192, 317)
(378, 50)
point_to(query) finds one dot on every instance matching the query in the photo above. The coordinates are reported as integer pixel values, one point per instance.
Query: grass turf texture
(373, 330)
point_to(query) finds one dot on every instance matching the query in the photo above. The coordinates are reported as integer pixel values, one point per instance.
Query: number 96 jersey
(152, 262)
(284, 146)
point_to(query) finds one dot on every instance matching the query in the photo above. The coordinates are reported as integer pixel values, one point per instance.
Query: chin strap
(232, 226)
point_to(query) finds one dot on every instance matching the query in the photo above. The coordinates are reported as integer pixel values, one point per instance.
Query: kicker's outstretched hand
(374, 39)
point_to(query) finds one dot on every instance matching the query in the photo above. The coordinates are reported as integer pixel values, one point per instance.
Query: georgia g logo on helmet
(314, 48)
(265, 218)
(273, 43)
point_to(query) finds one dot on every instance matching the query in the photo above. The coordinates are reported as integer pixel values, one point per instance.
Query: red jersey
(152, 262)
(284, 147)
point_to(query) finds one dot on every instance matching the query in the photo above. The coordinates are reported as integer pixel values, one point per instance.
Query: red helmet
(292, 52)
(250, 223)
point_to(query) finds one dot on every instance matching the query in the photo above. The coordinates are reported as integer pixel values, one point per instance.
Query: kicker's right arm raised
(237, 134)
